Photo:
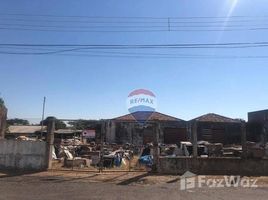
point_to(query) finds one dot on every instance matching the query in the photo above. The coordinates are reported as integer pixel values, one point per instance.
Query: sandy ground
(130, 185)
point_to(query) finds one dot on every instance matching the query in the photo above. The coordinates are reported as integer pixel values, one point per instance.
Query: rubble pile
(73, 153)
(256, 150)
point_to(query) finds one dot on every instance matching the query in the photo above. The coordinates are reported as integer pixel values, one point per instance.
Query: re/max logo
(141, 100)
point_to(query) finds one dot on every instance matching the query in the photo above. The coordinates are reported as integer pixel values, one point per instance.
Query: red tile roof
(155, 116)
(211, 117)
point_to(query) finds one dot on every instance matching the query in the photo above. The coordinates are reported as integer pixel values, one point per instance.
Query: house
(215, 128)
(125, 129)
(257, 121)
(67, 133)
(35, 132)
(27, 131)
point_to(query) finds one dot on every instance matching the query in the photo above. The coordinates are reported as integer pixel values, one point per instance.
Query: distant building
(126, 129)
(215, 128)
(258, 116)
(27, 131)
(67, 133)
(257, 121)
(35, 132)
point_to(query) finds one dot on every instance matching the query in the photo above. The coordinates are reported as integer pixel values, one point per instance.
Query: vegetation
(17, 121)
(2, 103)
(58, 123)
(82, 124)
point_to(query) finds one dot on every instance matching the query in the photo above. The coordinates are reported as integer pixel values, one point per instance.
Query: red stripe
(141, 91)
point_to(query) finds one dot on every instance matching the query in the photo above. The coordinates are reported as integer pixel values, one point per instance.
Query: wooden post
(50, 140)
(244, 139)
(194, 135)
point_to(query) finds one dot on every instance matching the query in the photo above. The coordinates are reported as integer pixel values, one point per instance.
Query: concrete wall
(22, 155)
(213, 166)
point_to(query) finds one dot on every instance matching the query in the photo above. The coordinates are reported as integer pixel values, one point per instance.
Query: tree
(17, 121)
(83, 124)
(58, 123)
(2, 103)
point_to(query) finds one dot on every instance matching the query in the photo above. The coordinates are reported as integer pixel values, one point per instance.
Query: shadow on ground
(134, 179)
(13, 173)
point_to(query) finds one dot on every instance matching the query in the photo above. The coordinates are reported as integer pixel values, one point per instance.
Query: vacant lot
(71, 185)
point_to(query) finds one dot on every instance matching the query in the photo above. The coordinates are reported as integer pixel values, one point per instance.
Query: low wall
(22, 155)
(214, 166)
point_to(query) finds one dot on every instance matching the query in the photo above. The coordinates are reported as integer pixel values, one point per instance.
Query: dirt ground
(117, 185)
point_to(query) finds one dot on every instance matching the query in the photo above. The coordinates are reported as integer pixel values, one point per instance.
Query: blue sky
(97, 87)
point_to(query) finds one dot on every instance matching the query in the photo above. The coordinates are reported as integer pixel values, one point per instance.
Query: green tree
(2, 103)
(17, 121)
(58, 123)
(83, 124)
(79, 124)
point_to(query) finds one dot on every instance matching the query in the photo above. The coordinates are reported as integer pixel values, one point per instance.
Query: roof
(212, 117)
(33, 129)
(153, 117)
(25, 129)
(258, 111)
(67, 131)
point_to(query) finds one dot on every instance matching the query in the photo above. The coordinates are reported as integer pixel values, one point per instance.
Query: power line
(223, 29)
(172, 20)
(137, 45)
(110, 52)
(120, 54)
(127, 26)
(79, 21)
(100, 54)
(128, 17)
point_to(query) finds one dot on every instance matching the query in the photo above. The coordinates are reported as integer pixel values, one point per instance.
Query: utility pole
(43, 113)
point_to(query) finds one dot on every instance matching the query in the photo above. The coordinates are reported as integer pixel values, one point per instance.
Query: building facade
(257, 127)
(126, 129)
(215, 128)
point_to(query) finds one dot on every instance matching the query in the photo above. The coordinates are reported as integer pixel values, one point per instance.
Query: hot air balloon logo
(141, 104)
